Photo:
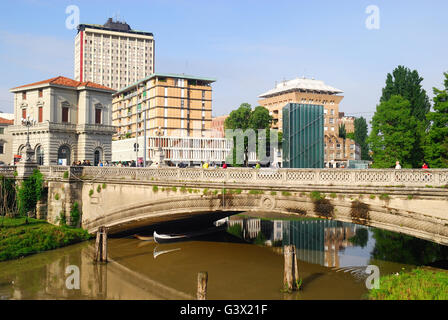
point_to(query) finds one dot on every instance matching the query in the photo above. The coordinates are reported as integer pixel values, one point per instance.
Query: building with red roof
(72, 120)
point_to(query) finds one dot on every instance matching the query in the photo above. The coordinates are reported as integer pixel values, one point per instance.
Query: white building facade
(72, 121)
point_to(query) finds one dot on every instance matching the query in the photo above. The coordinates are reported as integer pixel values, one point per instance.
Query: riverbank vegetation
(23, 236)
(418, 284)
(20, 234)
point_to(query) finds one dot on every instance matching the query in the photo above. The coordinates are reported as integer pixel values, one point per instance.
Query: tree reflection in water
(391, 246)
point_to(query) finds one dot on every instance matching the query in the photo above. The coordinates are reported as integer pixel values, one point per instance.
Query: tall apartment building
(113, 54)
(178, 105)
(313, 92)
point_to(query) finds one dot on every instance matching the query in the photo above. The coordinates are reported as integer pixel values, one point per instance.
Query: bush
(91, 192)
(98, 189)
(316, 196)
(66, 174)
(75, 214)
(384, 196)
(29, 193)
(155, 188)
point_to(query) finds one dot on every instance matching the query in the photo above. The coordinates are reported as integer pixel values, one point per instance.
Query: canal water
(243, 261)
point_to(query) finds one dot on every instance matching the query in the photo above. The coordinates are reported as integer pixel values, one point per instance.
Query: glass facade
(303, 136)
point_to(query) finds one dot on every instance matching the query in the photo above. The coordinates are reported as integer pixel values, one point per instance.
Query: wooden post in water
(291, 272)
(101, 245)
(104, 251)
(98, 246)
(202, 285)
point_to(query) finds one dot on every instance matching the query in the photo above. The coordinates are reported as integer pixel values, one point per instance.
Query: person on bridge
(397, 165)
(425, 166)
(224, 165)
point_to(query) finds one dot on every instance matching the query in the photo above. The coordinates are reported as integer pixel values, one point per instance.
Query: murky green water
(244, 262)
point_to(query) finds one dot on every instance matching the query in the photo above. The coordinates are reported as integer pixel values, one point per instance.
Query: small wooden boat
(143, 238)
(164, 238)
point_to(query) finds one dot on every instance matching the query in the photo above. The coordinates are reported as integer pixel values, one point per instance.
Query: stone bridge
(413, 202)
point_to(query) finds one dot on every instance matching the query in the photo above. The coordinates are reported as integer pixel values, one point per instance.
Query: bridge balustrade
(339, 177)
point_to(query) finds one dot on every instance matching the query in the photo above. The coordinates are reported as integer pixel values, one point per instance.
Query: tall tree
(342, 131)
(393, 133)
(360, 137)
(245, 118)
(436, 142)
(407, 84)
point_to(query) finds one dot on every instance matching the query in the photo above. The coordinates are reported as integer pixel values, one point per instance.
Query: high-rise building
(174, 105)
(113, 54)
(313, 92)
(303, 136)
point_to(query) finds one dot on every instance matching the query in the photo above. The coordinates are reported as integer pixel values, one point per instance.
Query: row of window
(40, 94)
(65, 115)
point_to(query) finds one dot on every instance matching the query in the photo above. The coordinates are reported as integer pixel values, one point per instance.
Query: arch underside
(218, 206)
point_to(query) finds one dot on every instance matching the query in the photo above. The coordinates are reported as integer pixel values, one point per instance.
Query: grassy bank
(418, 284)
(20, 237)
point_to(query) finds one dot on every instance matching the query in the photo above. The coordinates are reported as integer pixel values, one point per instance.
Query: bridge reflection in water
(317, 241)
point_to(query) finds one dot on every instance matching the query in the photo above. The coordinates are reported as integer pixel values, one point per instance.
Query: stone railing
(287, 177)
(7, 171)
(280, 177)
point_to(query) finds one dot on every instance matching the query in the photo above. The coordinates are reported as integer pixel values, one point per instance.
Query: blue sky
(247, 45)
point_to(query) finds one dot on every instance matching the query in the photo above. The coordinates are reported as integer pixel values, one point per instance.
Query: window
(40, 155)
(23, 113)
(1, 148)
(24, 95)
(41, 93)
(40, 118)
(97, 116)
(2, 130)
(64, 114)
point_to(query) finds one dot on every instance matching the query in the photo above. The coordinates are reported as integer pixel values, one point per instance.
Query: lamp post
(29, 152)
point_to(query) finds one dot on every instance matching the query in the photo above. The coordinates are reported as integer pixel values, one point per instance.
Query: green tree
(239, 118)
(29, 193)
(342, 131)
(360, 136)
(436, 143)
(245, 118)
(407, 84)
(393, 133)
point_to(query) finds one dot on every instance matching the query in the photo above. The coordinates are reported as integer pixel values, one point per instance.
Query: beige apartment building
(113, 54)
(175, 105)
(311, 91)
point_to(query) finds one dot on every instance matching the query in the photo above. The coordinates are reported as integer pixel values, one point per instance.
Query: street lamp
(29, 152)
